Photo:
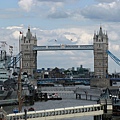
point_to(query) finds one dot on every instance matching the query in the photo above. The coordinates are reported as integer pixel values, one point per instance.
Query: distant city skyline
(58, 22)
(75, 68)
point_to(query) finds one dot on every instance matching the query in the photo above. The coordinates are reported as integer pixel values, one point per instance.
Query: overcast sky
(68, 22)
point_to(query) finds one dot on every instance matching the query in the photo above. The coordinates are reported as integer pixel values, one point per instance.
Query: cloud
(14, 27)
(103, 11)
(64, 36)
(115, 47)
(67, 59)
(9, 13)
(56, 1)
(59, 14)
(51, 8)
(106, 1)
(26, 4)
(52, 1)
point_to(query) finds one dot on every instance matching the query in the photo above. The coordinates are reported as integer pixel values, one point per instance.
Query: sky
(71, 22)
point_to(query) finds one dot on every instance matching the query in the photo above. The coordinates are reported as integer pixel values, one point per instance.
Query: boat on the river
(54, 96)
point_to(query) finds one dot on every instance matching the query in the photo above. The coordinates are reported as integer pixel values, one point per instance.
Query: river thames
(68, 100)
(50, 104)
(71, 102)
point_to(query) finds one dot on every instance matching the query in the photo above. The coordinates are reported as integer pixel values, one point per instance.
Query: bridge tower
(29, 57)
(100, 45)
(100, 55)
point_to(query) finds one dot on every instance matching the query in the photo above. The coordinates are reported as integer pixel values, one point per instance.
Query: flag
(10, 46)
(20, 32)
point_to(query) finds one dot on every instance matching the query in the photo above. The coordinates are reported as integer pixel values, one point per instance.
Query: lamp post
(110, 96)
(25, 114)
(115, 97)
(19, 81)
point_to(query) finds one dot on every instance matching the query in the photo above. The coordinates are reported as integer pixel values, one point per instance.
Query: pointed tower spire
(100, 31)
(94, 35)
(28, 34)
(35, 36)
(28, 28)
(106, 34)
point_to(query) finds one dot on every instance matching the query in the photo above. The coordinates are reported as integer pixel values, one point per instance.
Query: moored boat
(54, 96)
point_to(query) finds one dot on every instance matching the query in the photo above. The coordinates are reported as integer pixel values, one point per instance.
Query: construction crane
(3, 50)
(11, 63)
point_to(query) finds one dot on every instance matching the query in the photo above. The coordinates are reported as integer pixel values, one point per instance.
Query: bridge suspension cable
(113, 57)
(14, 62)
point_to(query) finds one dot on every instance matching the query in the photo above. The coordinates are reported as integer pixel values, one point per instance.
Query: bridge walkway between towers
(63, 47)
(59, 113)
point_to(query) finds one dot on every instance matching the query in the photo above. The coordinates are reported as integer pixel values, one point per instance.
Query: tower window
(27, 46)
(102, 39)
(27, 64)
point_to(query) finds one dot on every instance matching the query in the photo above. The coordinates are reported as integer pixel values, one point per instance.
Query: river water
(61, 104)
(51, 104)
(71, 101)
(68, 100)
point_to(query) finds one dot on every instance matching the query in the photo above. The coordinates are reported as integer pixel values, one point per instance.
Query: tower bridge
(29, 49)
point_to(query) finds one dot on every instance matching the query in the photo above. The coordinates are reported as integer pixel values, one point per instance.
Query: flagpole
(19, 81)
(19, 44)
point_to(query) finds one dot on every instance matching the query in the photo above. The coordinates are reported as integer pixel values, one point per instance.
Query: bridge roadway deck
(52, 80)
(59, 113)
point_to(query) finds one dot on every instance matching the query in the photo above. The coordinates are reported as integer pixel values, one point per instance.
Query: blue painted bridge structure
(71, 47)
(63, 47)
(85, 81)
(99, 47)
(69, 80)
